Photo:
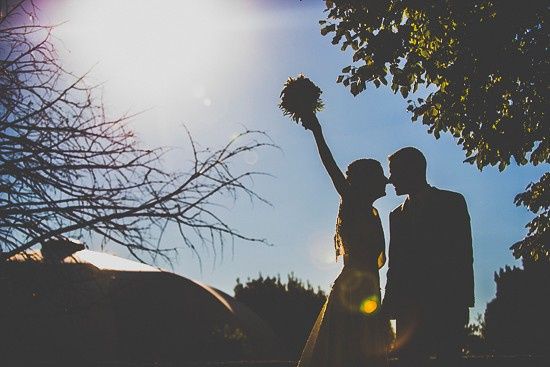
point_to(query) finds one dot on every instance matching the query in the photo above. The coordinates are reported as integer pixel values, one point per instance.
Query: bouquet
(300, 97)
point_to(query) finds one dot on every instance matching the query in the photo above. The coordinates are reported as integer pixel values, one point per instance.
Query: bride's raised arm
(311, 122)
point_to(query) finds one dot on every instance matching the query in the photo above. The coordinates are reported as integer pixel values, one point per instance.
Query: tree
(485, 65)
(536, 246)
(289, 309)
(517, 319)
(67, 168)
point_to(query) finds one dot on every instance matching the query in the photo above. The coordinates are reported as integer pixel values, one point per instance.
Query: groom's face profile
(408, 171)
(399, 178)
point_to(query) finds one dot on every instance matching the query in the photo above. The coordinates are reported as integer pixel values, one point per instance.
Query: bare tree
(66, 168)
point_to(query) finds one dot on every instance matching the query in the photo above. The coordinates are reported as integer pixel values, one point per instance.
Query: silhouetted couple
(430, 277)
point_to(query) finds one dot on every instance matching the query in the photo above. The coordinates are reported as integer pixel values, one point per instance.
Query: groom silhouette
(430, 281)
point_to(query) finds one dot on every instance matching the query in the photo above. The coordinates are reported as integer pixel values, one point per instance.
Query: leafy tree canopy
(290, 309)
(486, 63)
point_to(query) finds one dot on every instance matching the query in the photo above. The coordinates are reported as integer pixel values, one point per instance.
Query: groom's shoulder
(447, 196)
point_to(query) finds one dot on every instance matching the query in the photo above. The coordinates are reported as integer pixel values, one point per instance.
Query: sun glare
(106, 261)
(152, 52)
(321, 251)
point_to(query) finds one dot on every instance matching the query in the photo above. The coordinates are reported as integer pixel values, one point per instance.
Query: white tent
(92, 306)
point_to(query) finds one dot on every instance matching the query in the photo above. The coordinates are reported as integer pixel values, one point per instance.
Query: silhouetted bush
(474, 343)
(517, 321)
(290, 309)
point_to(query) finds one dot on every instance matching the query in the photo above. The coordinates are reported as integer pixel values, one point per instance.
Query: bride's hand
(310, 122)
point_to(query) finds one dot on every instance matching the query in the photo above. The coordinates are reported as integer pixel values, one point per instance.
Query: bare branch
(66, 168)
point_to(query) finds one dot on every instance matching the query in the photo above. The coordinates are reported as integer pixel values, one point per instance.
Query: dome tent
(66, 303)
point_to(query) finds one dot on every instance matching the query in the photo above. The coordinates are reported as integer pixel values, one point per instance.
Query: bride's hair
(364, 168)
(360, 172)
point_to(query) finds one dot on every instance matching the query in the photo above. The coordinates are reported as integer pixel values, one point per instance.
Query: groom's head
(407, 170)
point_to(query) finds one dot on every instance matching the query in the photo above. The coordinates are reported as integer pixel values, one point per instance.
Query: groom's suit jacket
(430, 254)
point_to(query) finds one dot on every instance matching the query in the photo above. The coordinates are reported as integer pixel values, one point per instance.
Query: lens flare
(357, 291)
(369, 305)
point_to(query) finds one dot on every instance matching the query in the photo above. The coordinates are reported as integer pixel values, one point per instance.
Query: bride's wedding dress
(349, 330)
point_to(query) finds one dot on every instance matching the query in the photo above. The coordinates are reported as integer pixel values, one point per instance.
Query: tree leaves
(454, 47)
(487, 60)
(536, 246)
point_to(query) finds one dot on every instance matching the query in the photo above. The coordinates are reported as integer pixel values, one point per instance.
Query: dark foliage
(487, 63)
(290, 309)
(517, 321)
(536, 247)
(474, 344)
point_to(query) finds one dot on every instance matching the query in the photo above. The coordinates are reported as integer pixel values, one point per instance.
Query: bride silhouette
(350, 331)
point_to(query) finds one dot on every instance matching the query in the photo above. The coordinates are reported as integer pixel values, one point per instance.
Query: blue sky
(217, 65)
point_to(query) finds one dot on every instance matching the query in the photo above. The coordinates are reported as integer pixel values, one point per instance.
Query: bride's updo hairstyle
(362, 171)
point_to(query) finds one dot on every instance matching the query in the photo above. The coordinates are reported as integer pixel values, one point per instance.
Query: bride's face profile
(367, 183)
(378, 185)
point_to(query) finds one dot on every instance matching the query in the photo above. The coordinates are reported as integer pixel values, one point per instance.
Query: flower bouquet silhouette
(300, 98)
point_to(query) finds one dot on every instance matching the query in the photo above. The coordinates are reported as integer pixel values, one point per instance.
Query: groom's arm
(464, 244)
(458, 235)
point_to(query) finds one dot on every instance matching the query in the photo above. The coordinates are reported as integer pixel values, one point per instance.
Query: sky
(219, 65)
